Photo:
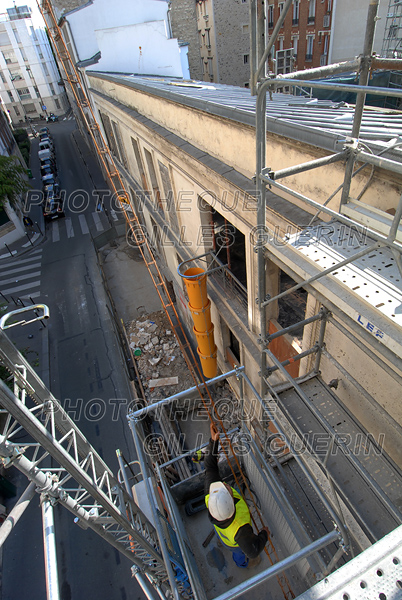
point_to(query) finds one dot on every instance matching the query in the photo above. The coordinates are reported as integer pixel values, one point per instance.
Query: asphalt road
(87, 375)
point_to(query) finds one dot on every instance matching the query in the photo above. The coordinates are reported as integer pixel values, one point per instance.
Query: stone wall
(232, 32)
(184, 28)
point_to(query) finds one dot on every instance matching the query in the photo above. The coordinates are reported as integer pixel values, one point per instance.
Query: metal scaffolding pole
(307, 166)
(49, 546)
(280, 566)
(361, 95)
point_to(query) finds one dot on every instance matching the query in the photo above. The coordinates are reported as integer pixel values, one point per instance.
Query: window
(311, 11)
(30, 108)
(24, 93)
(33, 33)
(326, 21)
(52, 89)
(325, 51)
(17, 112)
(310, 44)
(295, 20)
(154, 181)
(120, 145)
(57, 103)
(19, 12)
(36, 91)
(40, 55)
(245, 59)
(329, 6)
(140, 164)
(45, 69)
(4, 39)
(17, 36)
(295, 41)
(210, 67)
(281, 5)
(15, 75)
(169, 196)
(28, 69)
(208, 38)
(24, 56)
(2, 77)
(281, 42)
(10, 96)
(271, 15)
(9, 57)
(109, 134)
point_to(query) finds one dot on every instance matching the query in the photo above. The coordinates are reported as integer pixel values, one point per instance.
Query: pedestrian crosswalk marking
(20, 288)
(69, 227)
(97, 221)
(9, 271)
(55, 232)
(83, 223)
(22, 275)
(19, 278)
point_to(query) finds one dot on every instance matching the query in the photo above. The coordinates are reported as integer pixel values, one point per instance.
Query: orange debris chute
(200, 308)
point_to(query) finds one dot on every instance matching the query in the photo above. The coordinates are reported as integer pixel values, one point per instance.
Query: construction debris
(162, 367)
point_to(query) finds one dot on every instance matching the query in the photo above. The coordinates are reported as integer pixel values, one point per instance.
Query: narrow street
(87, 375)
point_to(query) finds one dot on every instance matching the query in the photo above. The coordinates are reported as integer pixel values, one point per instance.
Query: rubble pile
(161, 365)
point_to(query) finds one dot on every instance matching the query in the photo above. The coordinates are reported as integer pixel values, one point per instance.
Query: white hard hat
(220, 503)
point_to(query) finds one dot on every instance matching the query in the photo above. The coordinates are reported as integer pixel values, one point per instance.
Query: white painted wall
(141, 48)
(348, 28)
(132, 36)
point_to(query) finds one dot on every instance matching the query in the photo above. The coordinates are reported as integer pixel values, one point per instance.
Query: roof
(323, 123)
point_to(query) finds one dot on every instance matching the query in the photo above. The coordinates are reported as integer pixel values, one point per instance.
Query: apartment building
(30, 84)
(11, 228)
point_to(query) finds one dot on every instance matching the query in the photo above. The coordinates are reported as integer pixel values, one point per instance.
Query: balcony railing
(295, 21)
(309, 57)
(270, 24)
(310, 20)
(229, 284)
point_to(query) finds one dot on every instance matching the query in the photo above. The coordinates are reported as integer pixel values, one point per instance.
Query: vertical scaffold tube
(200, 308)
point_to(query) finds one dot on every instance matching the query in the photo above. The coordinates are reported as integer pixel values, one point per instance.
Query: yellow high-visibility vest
(242, 517)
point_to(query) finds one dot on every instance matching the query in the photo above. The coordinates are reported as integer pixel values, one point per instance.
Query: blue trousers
(240, 559)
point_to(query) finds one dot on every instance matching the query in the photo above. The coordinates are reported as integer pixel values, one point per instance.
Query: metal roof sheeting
(321, 122)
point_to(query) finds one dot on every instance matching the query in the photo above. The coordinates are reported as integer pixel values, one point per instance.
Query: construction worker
(229, 513)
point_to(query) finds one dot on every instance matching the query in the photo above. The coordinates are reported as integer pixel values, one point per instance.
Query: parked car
(49, 179)
(46, 145)
(44, 130)
(53, 203)
(46, 155)
(43, 137)
(47, 170)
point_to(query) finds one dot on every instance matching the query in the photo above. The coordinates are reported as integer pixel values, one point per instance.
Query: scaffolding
(392, 42)
(161, 551)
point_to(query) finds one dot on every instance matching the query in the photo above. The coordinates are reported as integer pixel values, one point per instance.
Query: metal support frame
(92, 493)
(49, 546)
(357, 464)
(307, 166)
(361, 95)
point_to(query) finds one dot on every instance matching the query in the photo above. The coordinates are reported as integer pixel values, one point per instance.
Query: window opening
(292, 308)
(140, 164)
(120, 145)
(154, 181)
(169, 196)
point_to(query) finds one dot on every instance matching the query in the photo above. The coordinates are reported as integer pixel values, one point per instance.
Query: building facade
(30, 84)
(184, 28)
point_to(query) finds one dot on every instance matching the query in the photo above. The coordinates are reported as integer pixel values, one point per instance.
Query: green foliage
(22, 138)
(21, 135)
(12, 183)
